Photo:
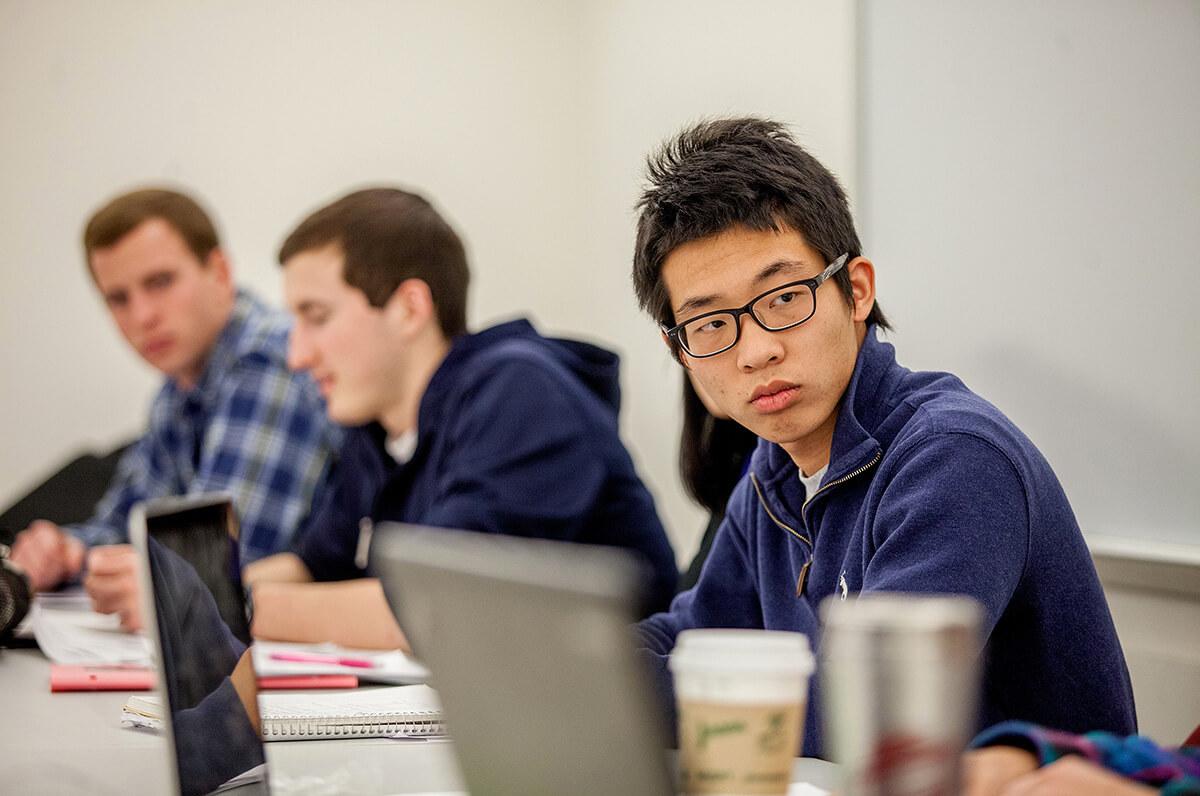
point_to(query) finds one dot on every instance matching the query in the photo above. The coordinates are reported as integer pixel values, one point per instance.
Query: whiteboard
(1029, 190)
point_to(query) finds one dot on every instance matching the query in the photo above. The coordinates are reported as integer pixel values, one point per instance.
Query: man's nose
(144, 310)
(299, 351)
(756, 347)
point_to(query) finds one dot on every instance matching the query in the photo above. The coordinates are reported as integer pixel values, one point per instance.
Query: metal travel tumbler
(900, 683)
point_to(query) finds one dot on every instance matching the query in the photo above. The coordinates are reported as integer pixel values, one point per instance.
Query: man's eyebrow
(695, 304)
(308, 306)
(699, 303)
(157, 273)
(778, 267)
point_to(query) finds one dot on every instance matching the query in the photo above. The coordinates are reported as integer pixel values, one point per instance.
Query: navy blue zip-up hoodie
(929, 489)
(516, 434)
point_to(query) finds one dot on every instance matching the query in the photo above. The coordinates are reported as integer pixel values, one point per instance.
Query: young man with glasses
(869, 477)
(501, 430)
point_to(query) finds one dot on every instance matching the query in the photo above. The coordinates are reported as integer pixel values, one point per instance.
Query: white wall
(1031, 183)
(1155, 603)
(1030, 176)
(526, 122)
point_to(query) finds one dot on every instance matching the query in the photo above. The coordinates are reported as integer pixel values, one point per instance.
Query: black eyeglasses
(781, 308)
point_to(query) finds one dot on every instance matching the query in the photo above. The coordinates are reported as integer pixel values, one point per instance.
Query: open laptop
(203, 530)
(531, 649)
(206, 676)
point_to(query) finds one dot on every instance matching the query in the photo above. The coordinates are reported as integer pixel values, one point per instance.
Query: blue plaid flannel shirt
(249, 427)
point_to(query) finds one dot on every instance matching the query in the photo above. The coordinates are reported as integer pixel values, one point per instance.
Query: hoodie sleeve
(725, 595)
(954, 519)
(524, 460)
(328, 545)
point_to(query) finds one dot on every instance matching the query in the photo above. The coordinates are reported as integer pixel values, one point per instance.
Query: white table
(74, 743)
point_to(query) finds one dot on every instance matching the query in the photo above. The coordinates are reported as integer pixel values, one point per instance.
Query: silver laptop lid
(531, 649)
(206, 678)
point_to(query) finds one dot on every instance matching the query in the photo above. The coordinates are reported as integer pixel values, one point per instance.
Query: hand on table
(112, 583)
(48, 554)
(1074, 776)
(1006, 771)
(986, 772)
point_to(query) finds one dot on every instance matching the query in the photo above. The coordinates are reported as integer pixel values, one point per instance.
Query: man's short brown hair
(387, 236)
(124, 213)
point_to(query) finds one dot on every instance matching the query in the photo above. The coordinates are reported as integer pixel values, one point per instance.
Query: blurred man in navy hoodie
(500, 431)
(868, 476)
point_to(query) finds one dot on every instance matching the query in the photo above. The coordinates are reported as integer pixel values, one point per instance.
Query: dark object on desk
(14, 595)
(69, 495)
(203, 531)
(210, 735)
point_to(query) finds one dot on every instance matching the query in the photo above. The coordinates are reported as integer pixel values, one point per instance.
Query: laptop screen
(203, 530)
(531, 649)
(207, 679)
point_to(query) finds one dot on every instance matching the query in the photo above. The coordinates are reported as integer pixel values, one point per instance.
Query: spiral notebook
(410, 710)
(407, 710)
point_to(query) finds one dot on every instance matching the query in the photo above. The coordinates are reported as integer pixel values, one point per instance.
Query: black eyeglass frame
(675, 333)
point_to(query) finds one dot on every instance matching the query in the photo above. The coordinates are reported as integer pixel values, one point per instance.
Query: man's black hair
(724, 173)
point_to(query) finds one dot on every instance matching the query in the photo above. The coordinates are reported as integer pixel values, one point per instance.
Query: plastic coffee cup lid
(737, 650)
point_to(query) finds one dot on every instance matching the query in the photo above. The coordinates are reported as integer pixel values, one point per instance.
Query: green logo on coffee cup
(774, 736)
(706, 731)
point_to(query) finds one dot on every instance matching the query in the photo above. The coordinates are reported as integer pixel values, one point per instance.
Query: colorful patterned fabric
(1176, 771)
(249, 427)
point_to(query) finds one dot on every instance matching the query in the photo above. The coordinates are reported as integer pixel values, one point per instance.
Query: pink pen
(318, 657)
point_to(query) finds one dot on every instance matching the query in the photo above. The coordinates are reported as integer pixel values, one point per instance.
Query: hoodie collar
(596, 368)
(462, 349)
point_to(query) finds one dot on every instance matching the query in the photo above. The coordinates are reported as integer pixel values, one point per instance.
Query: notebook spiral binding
(361, 725)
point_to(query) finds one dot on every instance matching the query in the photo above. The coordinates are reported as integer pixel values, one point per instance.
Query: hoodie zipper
(803, 578)
(874, 461)
(804, 539)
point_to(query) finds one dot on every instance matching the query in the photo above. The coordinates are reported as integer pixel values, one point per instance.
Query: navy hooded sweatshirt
(929, 489)
(516, 434)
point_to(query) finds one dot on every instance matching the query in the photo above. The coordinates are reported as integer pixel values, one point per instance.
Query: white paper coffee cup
(741, 696)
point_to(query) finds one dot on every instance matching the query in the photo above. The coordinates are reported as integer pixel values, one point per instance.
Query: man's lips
(774, 396)
(157, 346)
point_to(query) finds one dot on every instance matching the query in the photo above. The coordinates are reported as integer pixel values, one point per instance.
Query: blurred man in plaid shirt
(229, 416)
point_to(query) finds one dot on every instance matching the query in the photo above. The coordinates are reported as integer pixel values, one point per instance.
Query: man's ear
(218, 264)
(862, 286)
(411, 305)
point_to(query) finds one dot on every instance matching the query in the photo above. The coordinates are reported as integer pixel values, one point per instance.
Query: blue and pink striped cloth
(1175, 770)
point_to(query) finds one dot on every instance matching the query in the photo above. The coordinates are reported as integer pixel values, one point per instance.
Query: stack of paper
(69, 631)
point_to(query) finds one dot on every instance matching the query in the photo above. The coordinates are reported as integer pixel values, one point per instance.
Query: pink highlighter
(317, 657)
